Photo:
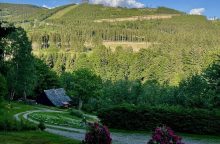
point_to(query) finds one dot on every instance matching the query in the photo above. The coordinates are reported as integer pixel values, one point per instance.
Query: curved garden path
(118, 137)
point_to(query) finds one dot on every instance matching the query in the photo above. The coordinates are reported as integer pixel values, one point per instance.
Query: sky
(209, 8)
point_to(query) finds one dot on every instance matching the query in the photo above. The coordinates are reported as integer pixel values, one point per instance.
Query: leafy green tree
(5, 29)
(122, 91)
(46, 78)
(212, 75)
(195, 92)
(22, 76)
(82, 84)
(151, 93)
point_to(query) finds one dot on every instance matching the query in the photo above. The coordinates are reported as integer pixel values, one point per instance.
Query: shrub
(9, 123)
(41, 126)
(164, 135)
(97, 134)
(25, 125)
(146, 118)
(194, 92)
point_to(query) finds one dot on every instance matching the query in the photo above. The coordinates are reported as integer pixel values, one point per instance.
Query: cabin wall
(42, 99)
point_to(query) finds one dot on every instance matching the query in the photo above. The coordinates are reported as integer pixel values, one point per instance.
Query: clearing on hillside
(135, 18)
(136, 46)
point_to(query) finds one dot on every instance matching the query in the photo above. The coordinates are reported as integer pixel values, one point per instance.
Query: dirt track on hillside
(135, 18)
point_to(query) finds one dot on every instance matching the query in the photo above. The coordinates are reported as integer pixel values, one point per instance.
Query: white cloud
(197, 11)
(121, 3)
(45, 6)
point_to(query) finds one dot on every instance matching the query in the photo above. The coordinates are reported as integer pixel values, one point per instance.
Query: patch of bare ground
(135, 18)
(135, 46)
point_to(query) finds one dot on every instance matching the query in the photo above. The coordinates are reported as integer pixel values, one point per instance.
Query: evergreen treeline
(175, 48)
(164, 72)
(23, 75)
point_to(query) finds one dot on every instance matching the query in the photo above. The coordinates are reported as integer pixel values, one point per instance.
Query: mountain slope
(20, 12)
(120, 43)
(62, 12)
(95, 12)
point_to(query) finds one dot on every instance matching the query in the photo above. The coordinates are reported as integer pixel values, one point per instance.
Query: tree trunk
(25, 96)
(80, 104)
(12, 94)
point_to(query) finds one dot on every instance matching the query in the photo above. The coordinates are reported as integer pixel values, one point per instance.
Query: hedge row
(147, 118)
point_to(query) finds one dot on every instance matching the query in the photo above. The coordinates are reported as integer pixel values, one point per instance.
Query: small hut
(54, 97)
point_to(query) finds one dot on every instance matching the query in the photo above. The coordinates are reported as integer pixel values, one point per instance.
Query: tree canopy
(83, 84)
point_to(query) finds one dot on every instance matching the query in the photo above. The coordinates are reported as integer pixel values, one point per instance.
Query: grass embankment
(34, 138)
(62, 12)
(26, 137)
(18, 107)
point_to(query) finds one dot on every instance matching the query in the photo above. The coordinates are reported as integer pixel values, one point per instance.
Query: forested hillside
(136, 69)
(125, 44)
(24, 13)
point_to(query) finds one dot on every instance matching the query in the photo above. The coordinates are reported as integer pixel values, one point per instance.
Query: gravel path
(118, 138)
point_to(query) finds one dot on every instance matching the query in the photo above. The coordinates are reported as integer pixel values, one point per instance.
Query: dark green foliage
(195, 92)
(153, 93)
(41, 126)
(191, 93)
(114, 93)
(129, 117)
(46, 78)
(3, 88)
(83, 84)
(212, 74)
(8, 123)
(21, 76)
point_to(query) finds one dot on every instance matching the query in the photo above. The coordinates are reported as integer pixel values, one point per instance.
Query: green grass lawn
(62, 119)
(34, 137)
(14, 108)
(17, 107)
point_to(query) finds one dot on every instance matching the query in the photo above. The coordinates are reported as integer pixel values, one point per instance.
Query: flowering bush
(164, 135)
(97, 134)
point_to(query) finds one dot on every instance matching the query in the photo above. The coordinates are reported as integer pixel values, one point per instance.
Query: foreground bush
(164, 135)
(41, 126)
(8, 123)
(97, 134)
(147, 118)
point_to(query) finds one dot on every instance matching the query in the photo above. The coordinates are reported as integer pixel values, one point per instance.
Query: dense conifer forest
(156, 63)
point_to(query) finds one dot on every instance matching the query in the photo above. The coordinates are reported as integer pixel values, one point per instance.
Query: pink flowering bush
(164, 135)
(97, 134)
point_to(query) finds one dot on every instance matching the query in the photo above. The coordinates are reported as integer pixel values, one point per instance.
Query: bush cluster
(41, 126)
(97, 134)
(8, 123)
(165, 135)
(197, 121)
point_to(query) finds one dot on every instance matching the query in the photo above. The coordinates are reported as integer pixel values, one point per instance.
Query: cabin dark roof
(57, 96)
